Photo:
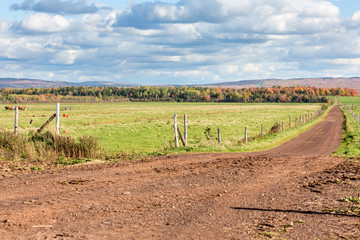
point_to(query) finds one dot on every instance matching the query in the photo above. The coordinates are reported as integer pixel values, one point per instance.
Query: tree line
(296, 94)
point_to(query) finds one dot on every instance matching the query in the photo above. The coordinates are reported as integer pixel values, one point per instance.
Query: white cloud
(230, 69)
(182, 31)
(57, 6)
(66, 57)
(50, 75)
(4, 27)
(22, 48)
(356, 17)
(189, 73)
(43, 22)
(235, 7)
(12, 67)
(344, 61)
(288, 17)
(278, 16)
(251, 67)
(146, 14)
(167, 58)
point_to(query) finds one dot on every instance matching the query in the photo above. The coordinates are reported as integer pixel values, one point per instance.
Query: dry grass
(45, 149)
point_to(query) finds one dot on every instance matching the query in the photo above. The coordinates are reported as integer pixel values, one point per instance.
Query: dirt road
(290, 192)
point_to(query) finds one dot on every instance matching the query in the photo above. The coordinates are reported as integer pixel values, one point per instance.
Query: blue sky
(178, 42)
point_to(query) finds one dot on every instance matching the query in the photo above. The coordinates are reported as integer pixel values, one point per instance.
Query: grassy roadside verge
(44, 151)
(350, 144)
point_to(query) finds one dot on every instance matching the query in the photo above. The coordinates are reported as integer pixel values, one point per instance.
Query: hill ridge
(324, 82)
(38, 83)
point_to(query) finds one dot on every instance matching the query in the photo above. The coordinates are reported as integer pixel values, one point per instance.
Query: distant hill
(36, 83)
(353, 82)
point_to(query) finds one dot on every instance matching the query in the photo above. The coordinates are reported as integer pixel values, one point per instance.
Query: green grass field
(352, 102)
(350, 146)
(148, 127)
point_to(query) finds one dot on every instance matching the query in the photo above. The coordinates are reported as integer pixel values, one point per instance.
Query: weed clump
(11, 146)
(208, 133)
(85, 147)
(276, 128)
(46, 148)
(324, 106)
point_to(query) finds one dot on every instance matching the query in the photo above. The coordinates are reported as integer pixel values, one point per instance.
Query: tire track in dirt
(195, 196)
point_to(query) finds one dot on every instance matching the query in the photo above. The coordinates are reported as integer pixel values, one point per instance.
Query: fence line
(354, 115)
(298, 121)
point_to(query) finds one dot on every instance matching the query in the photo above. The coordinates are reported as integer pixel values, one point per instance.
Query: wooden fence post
(181, 137)
(175, 131)
(289, 122)
(16, 121)
(58, 118)
(262, 130)
(45, 124)
(219, 136)
(282, 125)
(185, 129)
(246, 134)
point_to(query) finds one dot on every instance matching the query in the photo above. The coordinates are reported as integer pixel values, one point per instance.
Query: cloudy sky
(178, 41)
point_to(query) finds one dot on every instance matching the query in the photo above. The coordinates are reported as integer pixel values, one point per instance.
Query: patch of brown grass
(45, 149)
